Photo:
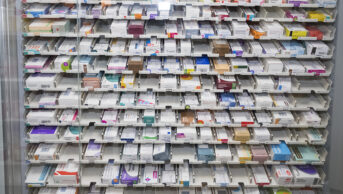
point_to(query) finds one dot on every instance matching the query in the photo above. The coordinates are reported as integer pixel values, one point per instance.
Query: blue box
(202, 61)
(227, 99)
(281, 152)
(205, 153)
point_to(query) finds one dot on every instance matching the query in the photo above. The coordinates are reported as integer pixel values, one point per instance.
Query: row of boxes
(176, 65)
(153, 12)
(114, 190)
(219, 135)
(176, 100)
(130, 174)
(111, 117)
(150, 153)
(178, 83)
(188, 29)
(153, 47)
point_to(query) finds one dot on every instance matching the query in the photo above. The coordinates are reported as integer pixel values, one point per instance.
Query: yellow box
(320, 16)
(295, 31)
(241, 134)
(244, 153)
(127, 81)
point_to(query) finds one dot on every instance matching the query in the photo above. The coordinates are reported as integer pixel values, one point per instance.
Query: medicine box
(41, 116)
(205, 153)
(146, 152)
(206, 134)
(161, 152)
(110, 81)
(257, 31)
(280, 152)
(130, 152)
(295, 30)
(282, 117)
(204, 117)
(317, 48)
(305, 175)
(282, 174)
(221, 65)
(227, 100)
(111, 174)
(129, 174)
(222, 135)
(127, 81)
(184, 174)
(119, 27)
(226, 82)
(223, 153)
(149, 116)
(191, 28)
(109, 117)
(46, 151)
(67, 173)
(240, 29)
(44, 133)
(273, 65)
(164, 134)
(306, 154)
(37, 175)
(314, 31)
(243, 153)
(135, 27)
(222, 117)
(135, 64)
(190, 82)
(41, 25)
(259, 153)
(41, 80)
(245, 100)
(186, 133)
(239, 65)
(261, 134)
(202, 64)
(149, 133)
(260, 176)
(221, 47)
(93, 151)
(92, 80)
(241, 134)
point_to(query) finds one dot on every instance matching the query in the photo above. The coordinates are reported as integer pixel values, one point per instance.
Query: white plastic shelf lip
(178, 125)
(175, 142)
(162, 36)
(180, 90)
(105, 17)
(177, 72)
(180, 185)
(213, 55)
(310, 5)
(28, 106)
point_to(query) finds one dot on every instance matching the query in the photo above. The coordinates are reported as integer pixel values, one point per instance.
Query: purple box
(44, 130)
(129, 174)
(298, 2)
(43, 133)
(136, 27)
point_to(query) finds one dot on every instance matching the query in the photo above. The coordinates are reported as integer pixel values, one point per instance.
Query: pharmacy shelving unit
(177, 96)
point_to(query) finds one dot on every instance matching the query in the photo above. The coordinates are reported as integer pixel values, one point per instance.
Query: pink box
(259, 153)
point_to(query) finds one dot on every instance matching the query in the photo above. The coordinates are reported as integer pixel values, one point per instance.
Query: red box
(226, 82)
(313, 31)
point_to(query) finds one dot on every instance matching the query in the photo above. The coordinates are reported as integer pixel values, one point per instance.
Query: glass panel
(176, 96)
